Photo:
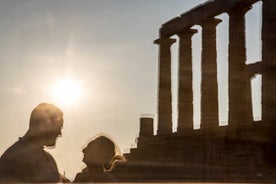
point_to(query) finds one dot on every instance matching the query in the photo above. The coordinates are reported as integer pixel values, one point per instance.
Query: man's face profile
(52, 130)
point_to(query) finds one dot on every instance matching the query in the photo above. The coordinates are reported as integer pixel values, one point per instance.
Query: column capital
(165, 41)
(240, 9)
(210, 23)
(187, 32)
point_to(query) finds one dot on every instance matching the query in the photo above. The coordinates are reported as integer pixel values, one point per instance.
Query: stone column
(185, 86)
(146, 127)
(240, 105)
(164, 93)
(209, 82)
(269, 62)
(146, 131)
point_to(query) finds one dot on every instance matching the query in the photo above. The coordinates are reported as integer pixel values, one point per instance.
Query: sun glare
(67, 92)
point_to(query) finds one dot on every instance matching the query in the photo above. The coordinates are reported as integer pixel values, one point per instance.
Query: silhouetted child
(100, 156)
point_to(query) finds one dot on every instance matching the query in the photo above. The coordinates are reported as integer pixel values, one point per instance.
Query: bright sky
(102, 53)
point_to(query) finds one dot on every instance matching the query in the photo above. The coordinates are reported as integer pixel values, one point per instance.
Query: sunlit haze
(67, 92)
(96, 60)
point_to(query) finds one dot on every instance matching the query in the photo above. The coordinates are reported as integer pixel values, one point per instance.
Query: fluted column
(164, 93)
(240, 105)
(185, 77)
(209, 83)
(269, 62)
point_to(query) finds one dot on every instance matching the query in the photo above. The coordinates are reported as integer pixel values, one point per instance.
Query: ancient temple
(242, 151)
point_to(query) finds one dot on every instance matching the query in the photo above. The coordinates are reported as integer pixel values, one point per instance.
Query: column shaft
(269, 62)
(209, 83)
(240, 105)
(164, 93)
(185, 85)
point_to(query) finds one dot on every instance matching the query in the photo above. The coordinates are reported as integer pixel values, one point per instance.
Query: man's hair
(44, 111)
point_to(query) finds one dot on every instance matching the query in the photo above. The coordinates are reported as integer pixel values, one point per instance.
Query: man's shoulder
(27, 162)
(20, 150)
(12, 161)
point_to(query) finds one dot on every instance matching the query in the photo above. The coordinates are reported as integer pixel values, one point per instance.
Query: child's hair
(110, 146)
(112, 163)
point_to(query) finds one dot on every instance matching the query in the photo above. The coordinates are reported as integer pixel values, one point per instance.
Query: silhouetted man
(26, 161)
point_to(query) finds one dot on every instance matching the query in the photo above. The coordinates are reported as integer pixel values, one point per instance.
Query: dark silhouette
(100, 156)
(242, 151)
(26, 161)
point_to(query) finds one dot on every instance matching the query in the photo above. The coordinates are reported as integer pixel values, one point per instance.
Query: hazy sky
(107, 47)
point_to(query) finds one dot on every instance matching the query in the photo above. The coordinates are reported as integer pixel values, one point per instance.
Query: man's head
(46, 123)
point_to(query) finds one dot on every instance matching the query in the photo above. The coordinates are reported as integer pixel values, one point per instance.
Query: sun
(67, 92)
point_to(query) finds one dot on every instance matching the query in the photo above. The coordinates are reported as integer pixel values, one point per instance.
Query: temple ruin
(242, 151)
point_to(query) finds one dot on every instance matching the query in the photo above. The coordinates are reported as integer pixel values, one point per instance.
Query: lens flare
(67, 92)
